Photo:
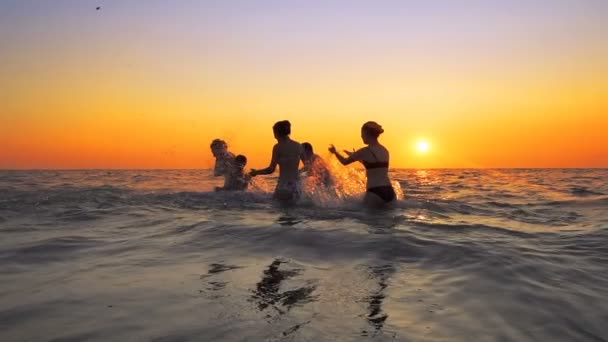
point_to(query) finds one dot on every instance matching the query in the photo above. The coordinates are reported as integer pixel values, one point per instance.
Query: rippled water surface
(466, 255)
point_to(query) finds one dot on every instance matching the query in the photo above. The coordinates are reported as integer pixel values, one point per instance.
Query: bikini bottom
(387, 193)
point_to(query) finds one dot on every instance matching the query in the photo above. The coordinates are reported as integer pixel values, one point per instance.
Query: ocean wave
(136, 248)
(582, 191)
(587, 202)
(48, 250)
(72, 204)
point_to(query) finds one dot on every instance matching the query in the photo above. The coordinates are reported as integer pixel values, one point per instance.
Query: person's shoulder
(275, 149)
(361, 154)
(294, 145)
(226, 158)
(362, 149)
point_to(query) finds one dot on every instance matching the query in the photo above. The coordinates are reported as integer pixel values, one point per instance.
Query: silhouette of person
(287, 154)
(236, 179)
(375, 159)
(224, 160)
(315, 167)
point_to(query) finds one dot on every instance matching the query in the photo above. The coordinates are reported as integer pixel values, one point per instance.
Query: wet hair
(372, 128)
(282, 128)
(307, 147)
(241, 159)
(218, 143)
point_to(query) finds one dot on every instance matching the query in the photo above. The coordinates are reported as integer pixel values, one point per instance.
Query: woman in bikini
(375, 158)
(287, 154)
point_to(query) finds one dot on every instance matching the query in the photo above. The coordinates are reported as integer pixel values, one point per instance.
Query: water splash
(347, 184)
(260, 185)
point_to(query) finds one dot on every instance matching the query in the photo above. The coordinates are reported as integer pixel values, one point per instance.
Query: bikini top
(376, 164)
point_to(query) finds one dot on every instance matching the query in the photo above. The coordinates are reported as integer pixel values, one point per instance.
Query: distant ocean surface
(465, 255)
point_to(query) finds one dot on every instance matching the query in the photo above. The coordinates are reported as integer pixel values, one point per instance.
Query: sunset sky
(148, 84)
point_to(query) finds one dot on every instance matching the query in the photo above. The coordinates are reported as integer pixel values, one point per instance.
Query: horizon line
(396, 168)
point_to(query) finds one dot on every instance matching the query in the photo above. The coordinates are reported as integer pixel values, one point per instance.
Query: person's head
(281, 129)
(240, 161)
(308, 152)
(370, 131)
(218, 147)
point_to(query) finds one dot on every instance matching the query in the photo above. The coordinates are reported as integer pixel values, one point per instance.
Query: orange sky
(150, 87)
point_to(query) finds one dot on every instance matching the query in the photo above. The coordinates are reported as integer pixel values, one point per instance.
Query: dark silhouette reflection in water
(219, 268)
(268, 290)
(376, 316)
(287, 220)
(216, 269)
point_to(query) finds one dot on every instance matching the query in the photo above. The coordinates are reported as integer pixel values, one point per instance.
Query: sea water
(156, 255)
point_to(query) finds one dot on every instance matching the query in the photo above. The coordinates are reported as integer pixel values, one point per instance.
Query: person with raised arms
(375, 159)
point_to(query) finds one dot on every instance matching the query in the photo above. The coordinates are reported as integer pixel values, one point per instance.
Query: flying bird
(98, 8)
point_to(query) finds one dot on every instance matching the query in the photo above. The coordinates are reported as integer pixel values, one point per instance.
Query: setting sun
(422, 146)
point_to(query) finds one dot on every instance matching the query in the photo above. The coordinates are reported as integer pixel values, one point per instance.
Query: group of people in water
(287, 154)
